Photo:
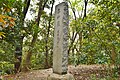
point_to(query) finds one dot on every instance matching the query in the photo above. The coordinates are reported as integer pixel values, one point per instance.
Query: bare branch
(27, 4)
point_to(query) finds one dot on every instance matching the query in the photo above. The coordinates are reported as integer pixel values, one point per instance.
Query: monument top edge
(66, 3)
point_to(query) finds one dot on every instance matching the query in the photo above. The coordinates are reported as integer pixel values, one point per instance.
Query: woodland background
(27, 27)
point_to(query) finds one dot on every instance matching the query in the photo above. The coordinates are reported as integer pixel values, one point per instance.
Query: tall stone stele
(60, 48)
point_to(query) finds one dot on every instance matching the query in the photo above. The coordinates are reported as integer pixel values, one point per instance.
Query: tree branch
(85, 10)
(74, 34)
(27, 4)
(50, 18)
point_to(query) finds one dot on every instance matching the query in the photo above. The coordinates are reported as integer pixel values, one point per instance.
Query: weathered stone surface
(60, 77)
(60, 48)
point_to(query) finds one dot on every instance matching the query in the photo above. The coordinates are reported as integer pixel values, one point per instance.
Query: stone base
(54, 76)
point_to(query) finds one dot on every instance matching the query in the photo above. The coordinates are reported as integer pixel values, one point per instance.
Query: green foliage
(6, 58)
(99, 35)
(6, 68)
(37, 61)
(6, 53)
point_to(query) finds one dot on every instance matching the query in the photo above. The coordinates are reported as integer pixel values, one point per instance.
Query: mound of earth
(81, 72)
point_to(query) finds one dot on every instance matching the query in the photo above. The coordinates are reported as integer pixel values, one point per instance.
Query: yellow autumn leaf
(2, 16)
(1, 20)
(9, 18)
(2, 34)
(6, 9)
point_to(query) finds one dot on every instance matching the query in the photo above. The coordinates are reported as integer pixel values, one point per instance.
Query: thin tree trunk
(80, 47)
(80, 39)
(85, 8)
(25, 10)
(113, 55)
(18, 57)
(74, 35)
(18, 48)
(48, 31)
(26, 63)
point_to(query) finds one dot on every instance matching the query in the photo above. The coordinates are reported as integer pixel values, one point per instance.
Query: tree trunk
(46, 58)
(74, 35)
(18, 48)
(85, 8)
(18, 58)
(114, 55)
(48, 31)
(26, 63)
(18, 55)
(80, 47)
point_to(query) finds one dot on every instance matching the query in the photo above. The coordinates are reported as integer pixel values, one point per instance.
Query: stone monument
(60, 56)
(60, 48)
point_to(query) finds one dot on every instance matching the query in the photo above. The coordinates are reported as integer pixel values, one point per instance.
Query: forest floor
(81, 72)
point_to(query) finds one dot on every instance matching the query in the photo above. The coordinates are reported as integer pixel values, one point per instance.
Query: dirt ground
(81, 72)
